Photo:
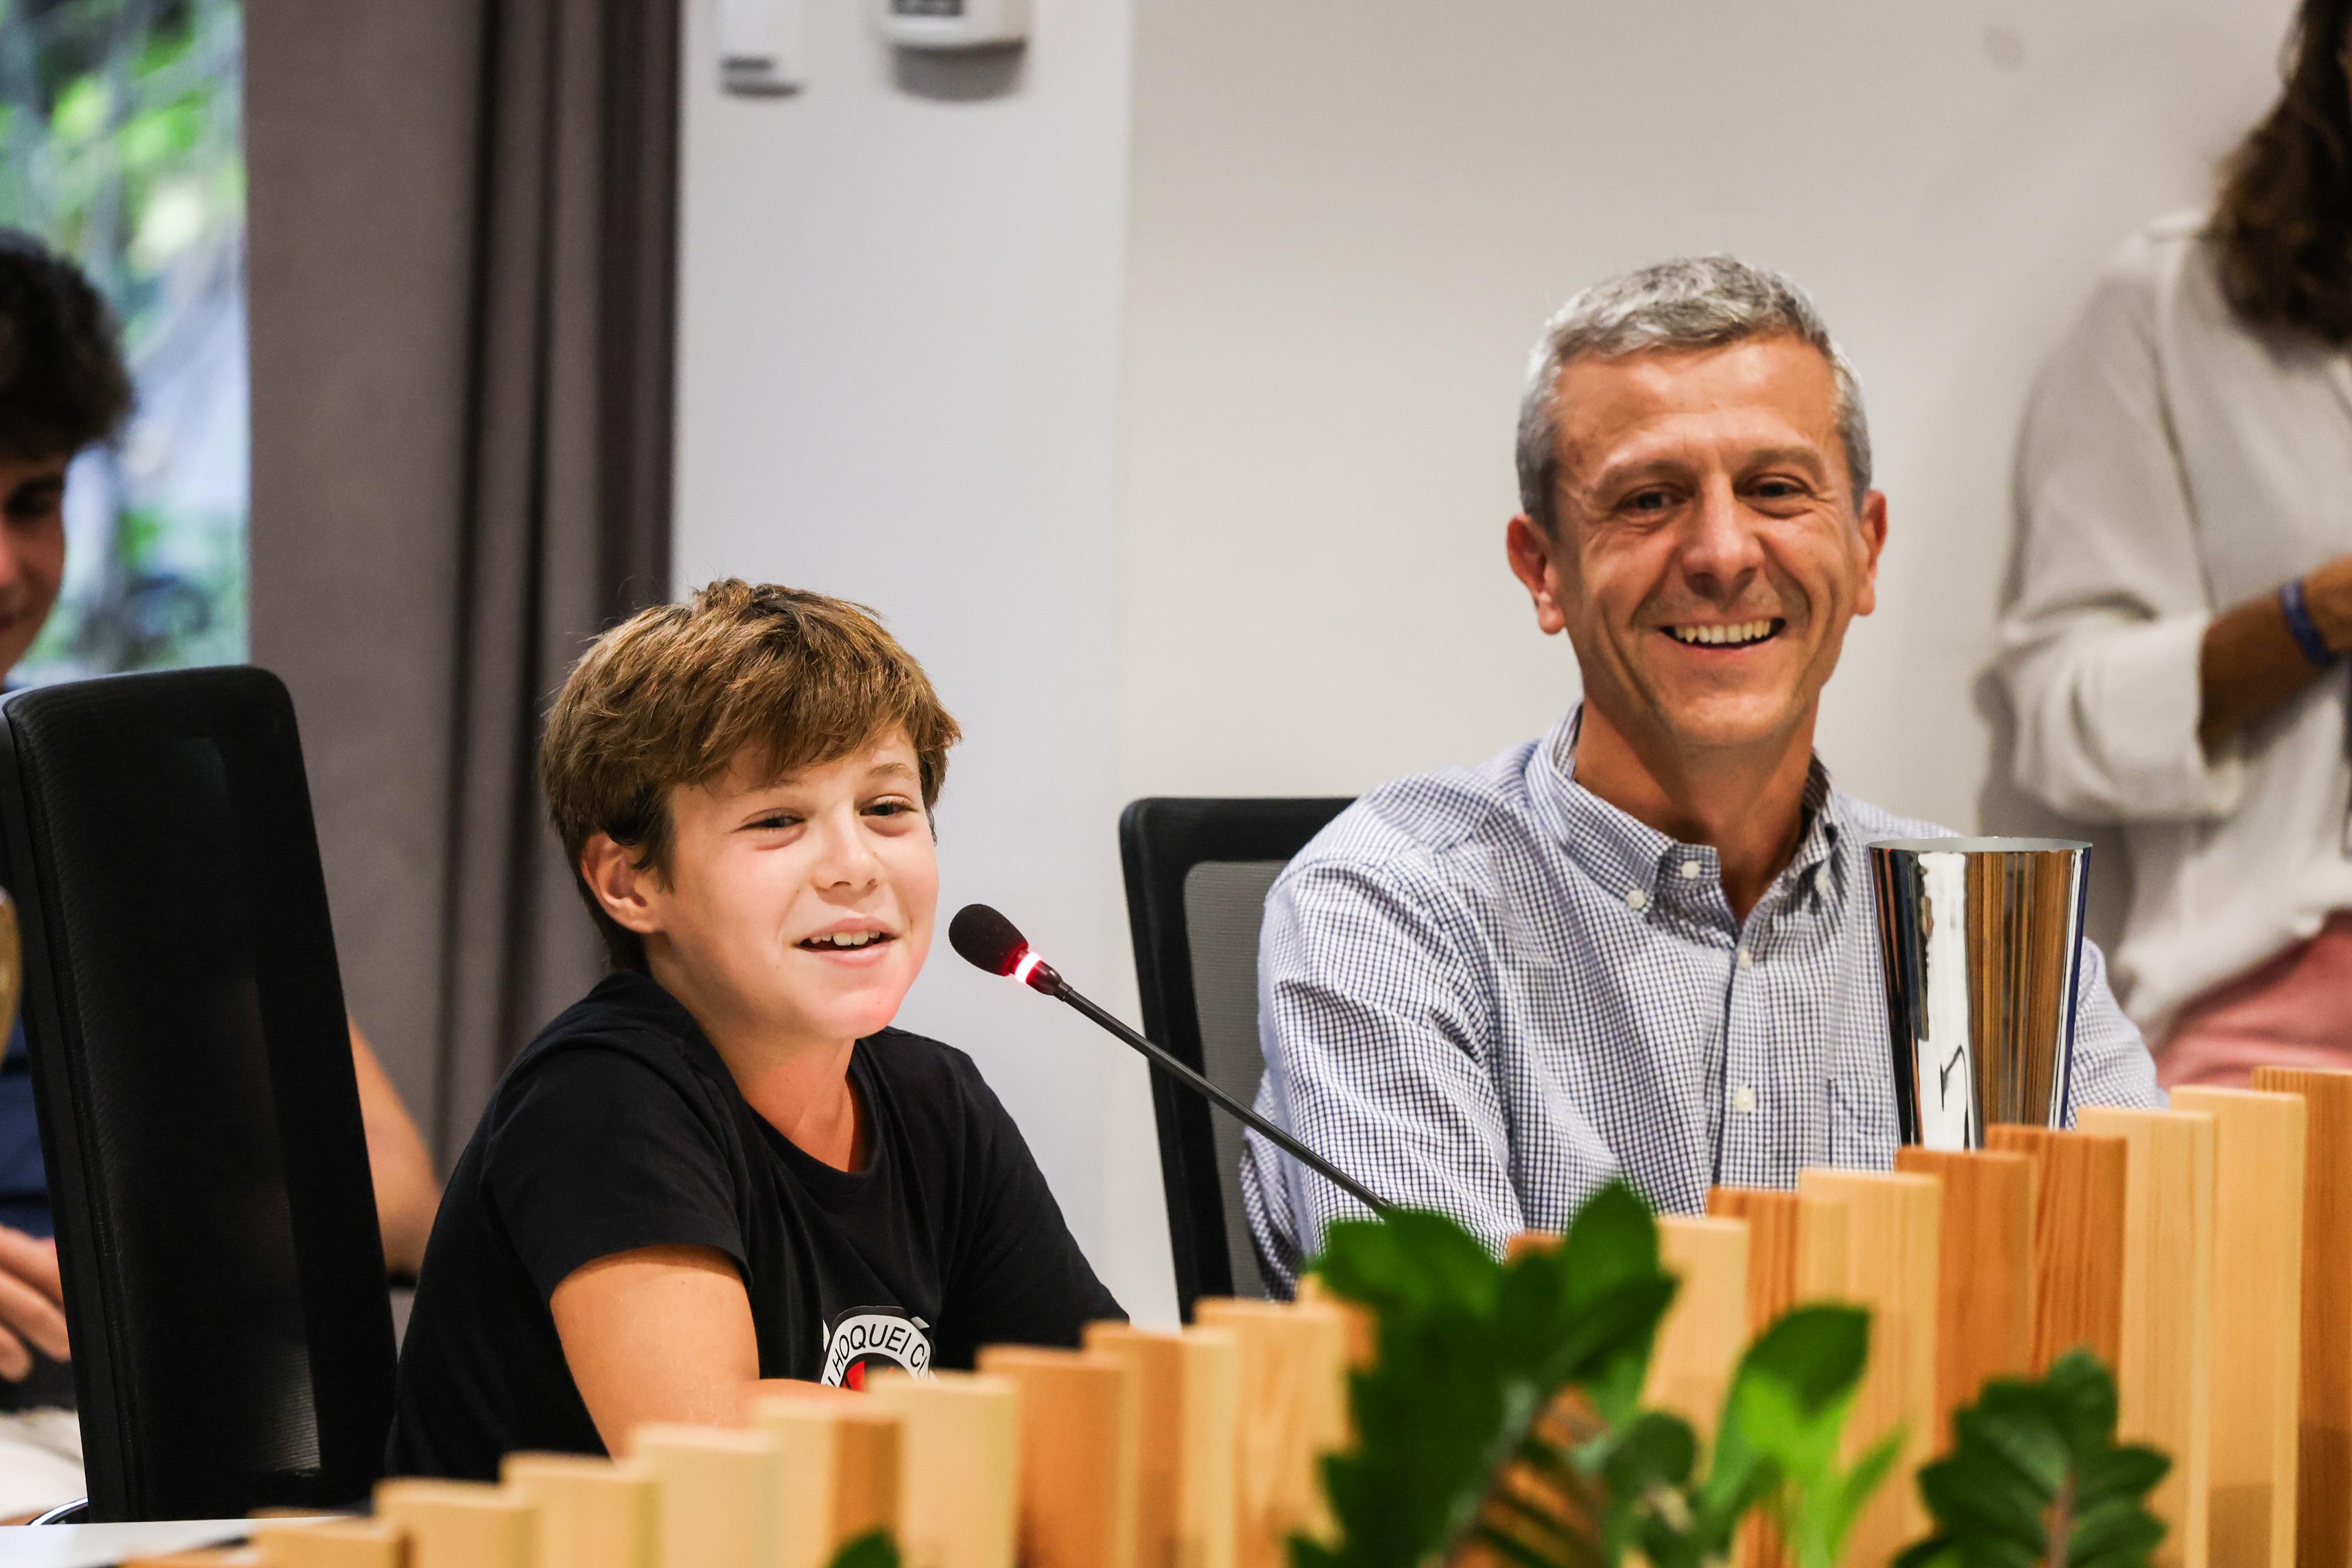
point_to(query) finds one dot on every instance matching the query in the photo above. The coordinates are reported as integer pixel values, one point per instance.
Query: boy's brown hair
(674, 694)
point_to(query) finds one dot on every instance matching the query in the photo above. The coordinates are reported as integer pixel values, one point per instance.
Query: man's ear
(628, 894)
(1873, 522)
(1530, 550)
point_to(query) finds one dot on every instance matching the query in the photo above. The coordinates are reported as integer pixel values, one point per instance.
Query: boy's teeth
(1745, 631)
(849, 938)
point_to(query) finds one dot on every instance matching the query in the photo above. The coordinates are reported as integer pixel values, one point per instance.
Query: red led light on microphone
(1026, 966)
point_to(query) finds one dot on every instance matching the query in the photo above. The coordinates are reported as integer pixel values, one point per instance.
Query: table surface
(103, 1545)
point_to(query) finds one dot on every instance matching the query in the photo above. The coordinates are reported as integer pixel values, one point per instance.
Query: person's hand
(32, 1303)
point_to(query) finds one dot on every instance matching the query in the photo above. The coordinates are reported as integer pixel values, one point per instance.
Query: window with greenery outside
(121, 122)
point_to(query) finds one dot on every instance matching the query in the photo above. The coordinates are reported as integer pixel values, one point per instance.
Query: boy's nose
(845, 858)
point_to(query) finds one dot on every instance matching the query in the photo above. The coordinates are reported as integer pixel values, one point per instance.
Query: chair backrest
(216, 1228)
(1197, 876)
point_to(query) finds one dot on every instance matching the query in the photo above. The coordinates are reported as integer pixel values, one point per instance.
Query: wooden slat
(457, 1524)
(1796, 1248)
(344, 1544)
(959, 1476)
(334, 1543)
(2323, 1500)
(1363, 1328)
(201, 1557)
(1796, 1253)
(2165, 1378)
(841, 1469)
(593, 1513)
(1293, 1411)
(1892, 1266)
(1984, 1319)
(1081, 1445)
(716, 1494)
(1701, 1337)
(2258, 1178)
(1189, 1389)
(2079, 1183)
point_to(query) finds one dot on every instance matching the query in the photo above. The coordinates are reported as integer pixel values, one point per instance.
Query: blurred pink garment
(2294, 1011)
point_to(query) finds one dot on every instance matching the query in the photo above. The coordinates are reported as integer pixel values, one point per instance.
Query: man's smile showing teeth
(1738, 635)
(846, 939)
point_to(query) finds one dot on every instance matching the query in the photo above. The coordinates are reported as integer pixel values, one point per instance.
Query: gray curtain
(461, 274)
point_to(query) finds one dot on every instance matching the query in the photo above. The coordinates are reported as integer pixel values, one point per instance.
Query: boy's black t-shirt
(621, 1128)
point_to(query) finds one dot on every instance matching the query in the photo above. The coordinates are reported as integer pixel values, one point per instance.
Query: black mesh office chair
(225, 1281)
(1197, 875)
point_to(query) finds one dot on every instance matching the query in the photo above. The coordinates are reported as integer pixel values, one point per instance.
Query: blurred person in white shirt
(2175, 639)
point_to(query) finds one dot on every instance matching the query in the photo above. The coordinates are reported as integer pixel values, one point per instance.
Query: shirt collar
(1627, 856)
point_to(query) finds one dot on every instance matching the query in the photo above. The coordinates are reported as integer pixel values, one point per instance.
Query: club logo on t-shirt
(861, 1339)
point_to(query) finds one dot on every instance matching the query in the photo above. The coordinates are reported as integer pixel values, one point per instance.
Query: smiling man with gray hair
(1643, 944)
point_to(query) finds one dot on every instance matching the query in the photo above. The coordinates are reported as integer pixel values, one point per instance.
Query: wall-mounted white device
(764, 45)
(952, 24)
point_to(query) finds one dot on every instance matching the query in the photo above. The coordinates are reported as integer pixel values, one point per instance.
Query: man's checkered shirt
(1485, 992)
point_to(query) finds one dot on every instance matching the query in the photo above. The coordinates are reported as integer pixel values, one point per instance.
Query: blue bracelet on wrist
(2304, 630)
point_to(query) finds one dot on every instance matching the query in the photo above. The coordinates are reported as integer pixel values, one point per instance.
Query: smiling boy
(723, 1164)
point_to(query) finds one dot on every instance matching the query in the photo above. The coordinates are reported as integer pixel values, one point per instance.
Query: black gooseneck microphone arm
(1048, 981)
(987, 941)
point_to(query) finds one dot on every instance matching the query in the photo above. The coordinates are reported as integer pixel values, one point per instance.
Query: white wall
(898, 368)
(1352, 218)
(1183, 461)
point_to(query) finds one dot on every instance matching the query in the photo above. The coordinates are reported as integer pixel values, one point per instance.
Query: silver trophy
(1983, 939)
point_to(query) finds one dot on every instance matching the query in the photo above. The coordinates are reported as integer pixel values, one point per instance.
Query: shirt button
(1743, 1099)
(1691, 868)
(1747, 958)
(1636, 899)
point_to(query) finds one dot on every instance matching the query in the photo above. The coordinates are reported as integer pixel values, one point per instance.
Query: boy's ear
(612, 874)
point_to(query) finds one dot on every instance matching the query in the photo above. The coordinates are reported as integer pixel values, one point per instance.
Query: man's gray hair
(1691, 302)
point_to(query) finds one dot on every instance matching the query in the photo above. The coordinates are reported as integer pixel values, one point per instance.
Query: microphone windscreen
(986, 938)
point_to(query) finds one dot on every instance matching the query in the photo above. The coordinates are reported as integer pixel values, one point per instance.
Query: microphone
(988, 940)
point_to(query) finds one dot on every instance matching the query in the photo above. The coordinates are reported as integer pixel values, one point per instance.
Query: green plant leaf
(876, 1550)
(2033, 1458)
(1504, 1406)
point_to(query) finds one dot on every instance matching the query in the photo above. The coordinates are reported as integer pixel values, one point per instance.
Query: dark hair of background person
(62, 380)
(2284, 223)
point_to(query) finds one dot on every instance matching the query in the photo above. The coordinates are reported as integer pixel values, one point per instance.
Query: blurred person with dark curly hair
(2183, 602)
(63, 388)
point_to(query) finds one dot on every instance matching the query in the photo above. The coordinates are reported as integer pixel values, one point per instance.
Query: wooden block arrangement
(2081, 1180)
(2204, 1252)
(458, 1524)
(1080, 1443)
(959, 1467)
(1984, 1311)
(593, 1513)
(1189, 1390)
(2258, 1187)
(1700, 1341)
(1892, 1266)
(2164, 1377)
(841, 1464)
(2324, 1500)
